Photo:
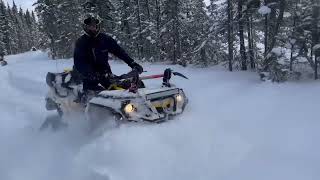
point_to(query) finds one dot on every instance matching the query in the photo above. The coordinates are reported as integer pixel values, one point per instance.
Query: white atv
(127, 98)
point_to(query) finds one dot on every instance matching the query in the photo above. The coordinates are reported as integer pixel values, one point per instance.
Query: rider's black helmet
(91, 25)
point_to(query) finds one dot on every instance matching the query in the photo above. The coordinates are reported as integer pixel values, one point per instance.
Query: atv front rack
(166, 77)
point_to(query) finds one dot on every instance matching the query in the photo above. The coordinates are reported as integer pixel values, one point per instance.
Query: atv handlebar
(134, 77)
(167, 74)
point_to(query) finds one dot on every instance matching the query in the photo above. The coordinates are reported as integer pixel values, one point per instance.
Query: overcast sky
(27, 4)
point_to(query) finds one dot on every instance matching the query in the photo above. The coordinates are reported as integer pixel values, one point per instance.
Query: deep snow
(235, 127)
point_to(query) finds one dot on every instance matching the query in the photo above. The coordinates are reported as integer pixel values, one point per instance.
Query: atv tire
(101, 118)
(54, 122)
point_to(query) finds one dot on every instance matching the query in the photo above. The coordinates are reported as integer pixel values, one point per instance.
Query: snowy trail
(235, 127)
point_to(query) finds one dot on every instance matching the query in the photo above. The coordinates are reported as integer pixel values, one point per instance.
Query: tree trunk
(266, 32)
(126, 26)
(315, 34)
(140, 40)
(148, 9)
(279, 22)
(52, 47)
(159, 37)
(316, 68)
(241, 36)
(148, 46)
(293, 32)
(203, 56)
(230, 34)
(291, 58)
(250, 41)
(176, 35)
(275, 32)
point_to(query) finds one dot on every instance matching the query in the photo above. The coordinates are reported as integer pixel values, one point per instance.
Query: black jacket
(91, 55)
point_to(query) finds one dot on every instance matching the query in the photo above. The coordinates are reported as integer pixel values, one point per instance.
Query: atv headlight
(129, 108)
(179, 98)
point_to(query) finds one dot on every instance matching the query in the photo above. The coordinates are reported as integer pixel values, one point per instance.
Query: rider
(91, 55)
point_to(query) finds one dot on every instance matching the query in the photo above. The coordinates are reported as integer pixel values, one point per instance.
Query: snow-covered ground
(235, 127)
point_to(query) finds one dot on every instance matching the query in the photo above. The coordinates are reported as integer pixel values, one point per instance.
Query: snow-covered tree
(239, 34)
(3, 27)
(17, 29)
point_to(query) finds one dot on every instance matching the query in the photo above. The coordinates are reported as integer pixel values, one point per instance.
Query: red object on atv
(163, 75)
(166, 76)
(151, 77)
(134, 76)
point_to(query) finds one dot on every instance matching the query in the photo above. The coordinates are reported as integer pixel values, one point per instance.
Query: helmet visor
(92, 27)
(91, 21)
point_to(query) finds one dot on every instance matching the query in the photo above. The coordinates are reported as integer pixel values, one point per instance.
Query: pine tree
(3, 28)
(48, 21)
(315, 35)
(68, 25)
(172, 30)
(241, 35)
(184, 32)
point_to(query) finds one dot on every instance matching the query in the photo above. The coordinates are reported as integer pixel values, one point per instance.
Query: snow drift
(235, 127)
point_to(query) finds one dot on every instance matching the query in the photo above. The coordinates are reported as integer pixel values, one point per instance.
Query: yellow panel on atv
(67, 70)
(115, 87)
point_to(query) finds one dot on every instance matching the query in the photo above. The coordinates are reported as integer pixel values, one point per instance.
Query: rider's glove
(137, 67)
(111, 77)
(108, 75)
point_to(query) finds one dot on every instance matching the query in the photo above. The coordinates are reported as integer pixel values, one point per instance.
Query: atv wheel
(54, 122)
(102, 118)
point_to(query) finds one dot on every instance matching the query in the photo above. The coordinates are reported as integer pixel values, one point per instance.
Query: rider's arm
(118, 51)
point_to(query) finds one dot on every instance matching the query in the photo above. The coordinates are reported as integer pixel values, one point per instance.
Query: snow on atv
(126, 99)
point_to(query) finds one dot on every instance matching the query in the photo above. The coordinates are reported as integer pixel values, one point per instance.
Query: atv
(127, 99)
